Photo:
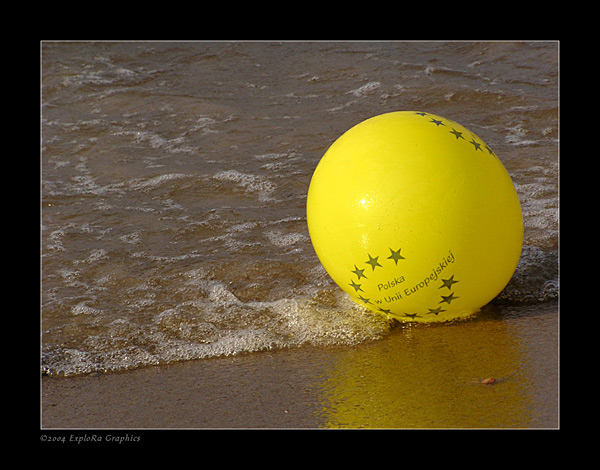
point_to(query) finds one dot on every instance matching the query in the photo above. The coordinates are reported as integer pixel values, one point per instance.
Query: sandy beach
(180, 286)
(417, 377)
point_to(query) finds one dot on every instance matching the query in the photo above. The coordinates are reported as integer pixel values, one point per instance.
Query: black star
(359, 272)
(491, 152)
(411, 315)
(435, 311)
(476, 144)
(356, 286)
(396, 256)
(422, 114)
(384, 310)
(448, 298)
(457, 134)
(448, 283)
(367, 301)
(373, 262)
(437, 123)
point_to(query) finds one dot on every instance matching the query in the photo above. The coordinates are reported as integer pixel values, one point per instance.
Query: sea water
(174, 178)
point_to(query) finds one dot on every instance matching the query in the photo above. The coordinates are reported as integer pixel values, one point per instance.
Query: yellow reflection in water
(430, 377)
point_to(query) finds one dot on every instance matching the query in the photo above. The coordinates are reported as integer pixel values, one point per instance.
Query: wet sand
(417, 377)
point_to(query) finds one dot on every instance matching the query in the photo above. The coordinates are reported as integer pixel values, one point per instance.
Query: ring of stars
(396, 256)
(477, 144)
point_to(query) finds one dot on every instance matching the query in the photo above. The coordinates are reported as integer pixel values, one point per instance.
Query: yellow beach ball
(415, 217)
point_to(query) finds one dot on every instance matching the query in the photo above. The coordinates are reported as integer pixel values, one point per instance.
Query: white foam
(175, 145)
(95, 255)
(203, 124)
(132, 238)
(339, 108)
(219, 294)
(243, 228)
(252, 184)
(516, 136)
(155, 181)
(56, 237)
(279, 238)
(365, 89)
(305, 321)
(537, 188)
(271, 156)
(82, 309)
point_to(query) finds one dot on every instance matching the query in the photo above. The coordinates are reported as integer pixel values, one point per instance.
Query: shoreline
(418, 377)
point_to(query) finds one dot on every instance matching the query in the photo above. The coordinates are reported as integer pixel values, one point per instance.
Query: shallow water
(174, 180)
